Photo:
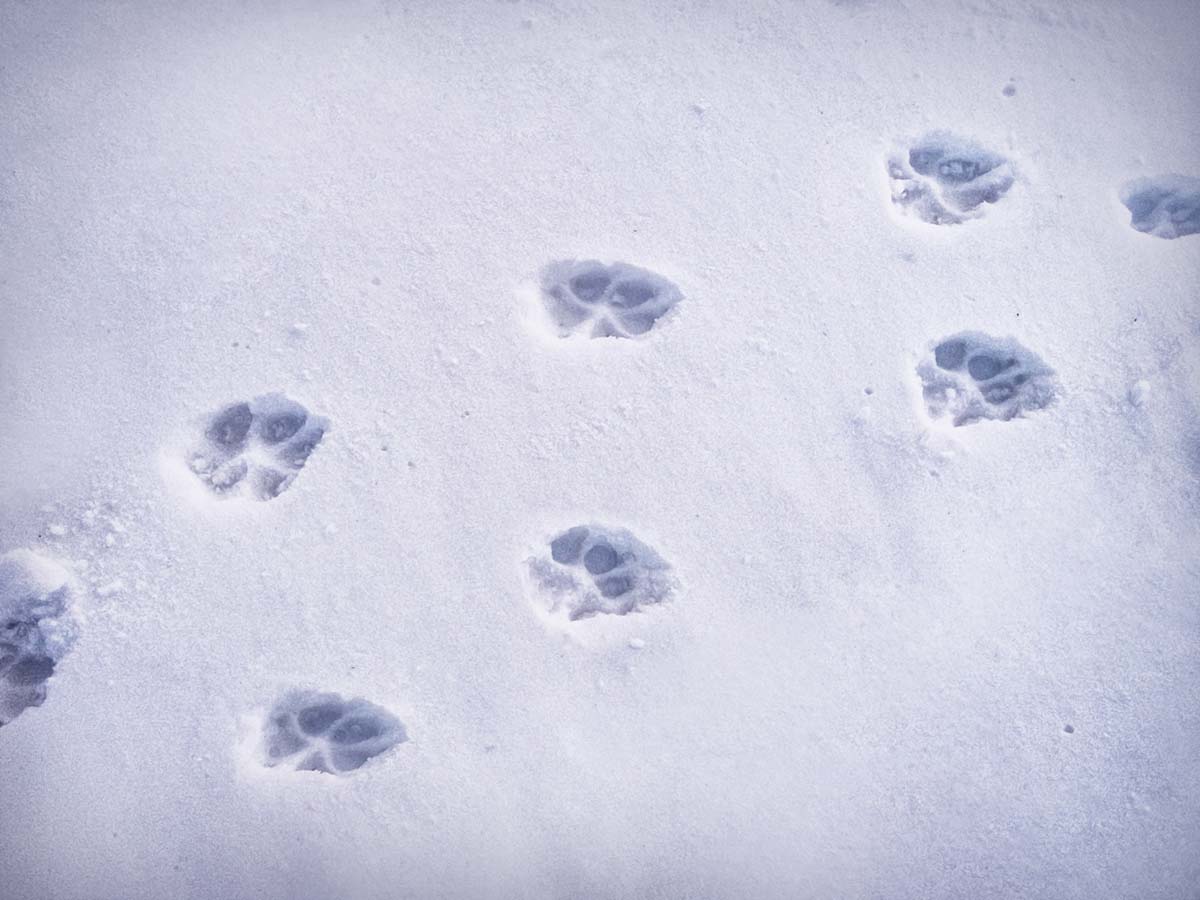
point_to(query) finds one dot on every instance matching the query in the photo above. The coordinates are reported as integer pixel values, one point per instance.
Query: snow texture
(312, 352)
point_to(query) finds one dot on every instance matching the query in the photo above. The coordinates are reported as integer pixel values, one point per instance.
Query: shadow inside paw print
(972, 376)
(36, 628)
(322, 732)
(256, 449)
(1167, 206)
(618, 300)
(943, 179)
(592, 569)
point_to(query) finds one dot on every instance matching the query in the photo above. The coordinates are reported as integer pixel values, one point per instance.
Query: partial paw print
(618, 300)
(256, 449)
(322, 732)
(591, 569)
(36, 628)
(943, 179)
(972, 376)
(1167, 206)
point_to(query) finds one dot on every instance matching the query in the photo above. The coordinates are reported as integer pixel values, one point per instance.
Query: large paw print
(620, 300)
(591, 569)
(945, 180)
(36, 628)
(256, 449)
(321, 732)
(972, 376)
(1167, 206)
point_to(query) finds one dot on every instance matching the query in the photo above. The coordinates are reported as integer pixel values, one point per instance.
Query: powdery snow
(897, 658)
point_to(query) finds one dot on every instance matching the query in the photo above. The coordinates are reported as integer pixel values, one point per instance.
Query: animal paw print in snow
(256, 449)
(591, 569)
(1166, 207)
(321, 732)
(36, 628)
(618, 300)
(943, 179)
(973, 376)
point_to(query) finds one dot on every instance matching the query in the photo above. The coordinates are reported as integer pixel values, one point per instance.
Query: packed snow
(600, 450)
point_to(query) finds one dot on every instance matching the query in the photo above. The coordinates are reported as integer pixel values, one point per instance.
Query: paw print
(321, 732)
(945, 180)
(972, 376)
(36, 628)
(256, 449)
(620, 300)
(592, 569)
(1167, 206)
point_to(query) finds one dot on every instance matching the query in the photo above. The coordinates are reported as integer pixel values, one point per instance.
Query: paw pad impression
(322, 732)
(591, 569)
(943, 179)
(972, 376)
(256, 449)
(36, 628)
(618, 300)
(1167, 206)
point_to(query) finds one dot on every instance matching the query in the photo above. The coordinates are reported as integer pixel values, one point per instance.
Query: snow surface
(904, 660)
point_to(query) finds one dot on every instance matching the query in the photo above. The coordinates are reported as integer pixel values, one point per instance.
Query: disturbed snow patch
(36, 628)
(587, 297)
(972, 376)
(944, 179)
(1167, 206)
(255, 449)
(591, 569)
(322, 732)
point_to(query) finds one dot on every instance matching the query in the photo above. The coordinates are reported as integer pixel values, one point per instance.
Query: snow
(904, 658)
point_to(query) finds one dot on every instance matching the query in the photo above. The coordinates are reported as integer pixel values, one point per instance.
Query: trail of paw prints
(618, 300)
(322, 732)
(944, 179)
(591, 569)
(256, 449)
(37, 628)
(972, 376)
(1167, 206)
